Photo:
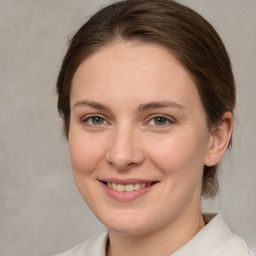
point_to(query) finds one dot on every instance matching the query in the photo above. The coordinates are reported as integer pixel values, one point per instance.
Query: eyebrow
(140, 108)
(92, 104)
(160, 104)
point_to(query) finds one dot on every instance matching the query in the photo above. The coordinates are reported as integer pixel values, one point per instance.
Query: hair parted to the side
(186, 34)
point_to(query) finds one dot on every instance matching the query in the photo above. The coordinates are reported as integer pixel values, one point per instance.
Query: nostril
(125, 159)
(124, 151)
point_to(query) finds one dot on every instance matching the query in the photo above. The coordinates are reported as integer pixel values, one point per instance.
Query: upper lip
(127, 181)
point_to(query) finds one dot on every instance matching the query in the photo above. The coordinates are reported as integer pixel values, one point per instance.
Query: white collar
(215, 239)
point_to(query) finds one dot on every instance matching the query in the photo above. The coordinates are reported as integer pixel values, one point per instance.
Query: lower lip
(126, 196)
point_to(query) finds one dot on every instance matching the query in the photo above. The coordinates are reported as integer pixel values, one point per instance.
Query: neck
(164, 241)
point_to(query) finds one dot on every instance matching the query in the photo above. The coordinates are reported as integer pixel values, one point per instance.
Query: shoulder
(215, 239)
(95, 246)
(227, 243)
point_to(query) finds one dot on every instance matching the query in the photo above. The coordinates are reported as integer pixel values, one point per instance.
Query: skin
(117, 133)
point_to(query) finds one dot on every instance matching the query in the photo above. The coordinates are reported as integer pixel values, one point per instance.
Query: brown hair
(189, 37)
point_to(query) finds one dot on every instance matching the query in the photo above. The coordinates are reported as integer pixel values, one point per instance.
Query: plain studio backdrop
(41, 210)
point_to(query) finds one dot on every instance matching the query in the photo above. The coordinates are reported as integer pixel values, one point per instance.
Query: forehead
(144, 69)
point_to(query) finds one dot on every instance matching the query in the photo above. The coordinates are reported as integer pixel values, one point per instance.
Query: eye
(94, 120)
(160, 120)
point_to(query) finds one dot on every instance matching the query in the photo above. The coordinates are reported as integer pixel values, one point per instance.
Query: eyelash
(166, 119)
(86, 119)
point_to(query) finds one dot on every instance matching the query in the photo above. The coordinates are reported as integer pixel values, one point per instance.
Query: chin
(133, 230)
(132, 224)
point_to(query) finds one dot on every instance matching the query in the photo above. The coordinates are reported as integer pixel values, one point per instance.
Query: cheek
(180, 158)
(85, 152)
(180, 154)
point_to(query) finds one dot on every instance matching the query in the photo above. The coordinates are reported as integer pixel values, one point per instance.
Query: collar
(215, 239)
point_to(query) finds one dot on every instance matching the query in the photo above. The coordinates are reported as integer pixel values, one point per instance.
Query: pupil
(97, 120)
(160, 120)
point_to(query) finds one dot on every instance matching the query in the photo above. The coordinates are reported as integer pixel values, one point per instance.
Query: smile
(127, 190)
(127, 187)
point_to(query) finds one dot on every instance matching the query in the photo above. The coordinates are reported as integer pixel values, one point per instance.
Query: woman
(147, 95)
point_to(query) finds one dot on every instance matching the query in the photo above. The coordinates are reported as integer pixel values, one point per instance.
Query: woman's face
(138, 137)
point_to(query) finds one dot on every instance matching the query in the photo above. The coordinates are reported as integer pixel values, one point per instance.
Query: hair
(185, 33)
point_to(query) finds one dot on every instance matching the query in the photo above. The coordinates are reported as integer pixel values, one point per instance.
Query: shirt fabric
(214, 239)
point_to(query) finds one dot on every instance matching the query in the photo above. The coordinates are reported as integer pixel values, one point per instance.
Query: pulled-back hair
(186, 34)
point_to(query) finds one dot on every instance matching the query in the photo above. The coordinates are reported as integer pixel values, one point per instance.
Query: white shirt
(215, 239)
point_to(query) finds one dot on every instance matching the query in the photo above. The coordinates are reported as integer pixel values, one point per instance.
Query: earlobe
(220, 137)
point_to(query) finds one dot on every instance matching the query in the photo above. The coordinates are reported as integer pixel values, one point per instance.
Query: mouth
(128, 187)
(127, 190)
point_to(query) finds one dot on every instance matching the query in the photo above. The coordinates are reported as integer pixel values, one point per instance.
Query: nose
(124, 151)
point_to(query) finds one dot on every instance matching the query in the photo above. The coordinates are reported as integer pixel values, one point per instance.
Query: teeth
(128, 187)
(136, 186)
(120, 187)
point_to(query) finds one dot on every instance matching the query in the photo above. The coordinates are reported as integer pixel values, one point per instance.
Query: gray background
(41, 210)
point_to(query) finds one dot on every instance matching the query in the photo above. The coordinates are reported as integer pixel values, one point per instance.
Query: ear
(220, 137)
